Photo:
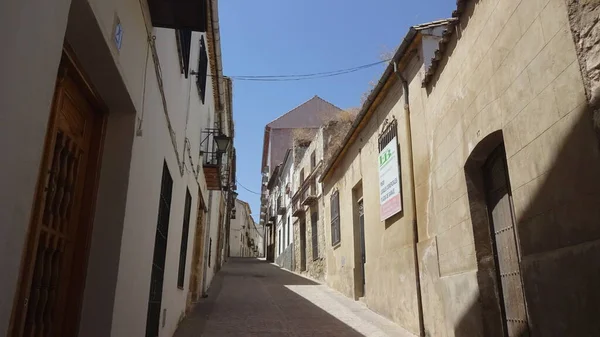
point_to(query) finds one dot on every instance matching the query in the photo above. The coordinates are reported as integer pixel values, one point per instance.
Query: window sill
(336, 245)
(180, 288)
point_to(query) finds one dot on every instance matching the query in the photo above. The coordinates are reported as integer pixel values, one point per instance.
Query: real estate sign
(390, 201)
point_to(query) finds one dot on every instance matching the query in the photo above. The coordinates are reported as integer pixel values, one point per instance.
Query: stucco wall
(513, 68)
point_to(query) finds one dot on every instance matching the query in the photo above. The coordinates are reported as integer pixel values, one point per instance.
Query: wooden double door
(49, 297)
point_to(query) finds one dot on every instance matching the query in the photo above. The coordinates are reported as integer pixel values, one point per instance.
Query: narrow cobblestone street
(250, 297)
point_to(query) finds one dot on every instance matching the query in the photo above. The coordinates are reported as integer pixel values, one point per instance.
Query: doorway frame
(68, 66)
(360, 273)
(487, 266)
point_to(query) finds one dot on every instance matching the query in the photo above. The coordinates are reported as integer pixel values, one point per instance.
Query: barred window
(389, 132)
(184, 239)
(202, 70)
(335, 218)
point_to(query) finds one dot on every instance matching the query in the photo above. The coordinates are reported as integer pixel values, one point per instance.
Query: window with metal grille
(389, 132)
(184, 239)
(335, 218)
(202, 70)
(209, 251)
(160, 252)
(314, 219)
(313, 160)
(184, 42)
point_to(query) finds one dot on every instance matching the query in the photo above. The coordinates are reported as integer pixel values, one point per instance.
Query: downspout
(413, 198)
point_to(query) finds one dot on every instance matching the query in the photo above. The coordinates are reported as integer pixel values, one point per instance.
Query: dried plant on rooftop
(302, 136)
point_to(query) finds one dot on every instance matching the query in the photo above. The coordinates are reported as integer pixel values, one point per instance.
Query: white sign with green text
(390, 201)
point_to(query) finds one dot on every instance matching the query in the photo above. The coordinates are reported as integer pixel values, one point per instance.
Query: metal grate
(184, 239)
(55, 238)
(389, 132)
(160, 252)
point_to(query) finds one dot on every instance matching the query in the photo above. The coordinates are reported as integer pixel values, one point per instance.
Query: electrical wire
(244, 187)
(301, 77)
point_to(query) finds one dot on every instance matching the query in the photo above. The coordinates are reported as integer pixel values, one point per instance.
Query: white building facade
(284, 239)
(117, 110)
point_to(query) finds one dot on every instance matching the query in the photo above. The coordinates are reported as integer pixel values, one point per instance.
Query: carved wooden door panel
(504, 242)
(53, 272)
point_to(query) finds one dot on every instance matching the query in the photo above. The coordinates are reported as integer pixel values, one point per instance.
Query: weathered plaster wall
(390, 286)
(314, 265)
(513, 68)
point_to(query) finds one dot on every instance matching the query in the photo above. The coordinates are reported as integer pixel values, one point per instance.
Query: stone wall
(510, 67)
(584, 18)
(315, 265)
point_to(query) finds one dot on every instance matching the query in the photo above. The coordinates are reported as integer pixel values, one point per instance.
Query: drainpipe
(411, 174)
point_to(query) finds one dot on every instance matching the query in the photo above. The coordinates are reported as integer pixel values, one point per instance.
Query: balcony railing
(297, 207)
(309, 193)
(280, 207)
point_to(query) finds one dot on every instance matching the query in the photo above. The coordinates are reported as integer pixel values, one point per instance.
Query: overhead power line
(301, 77)
(247, 189)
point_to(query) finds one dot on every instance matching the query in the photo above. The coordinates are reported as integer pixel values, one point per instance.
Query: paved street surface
(251, 297)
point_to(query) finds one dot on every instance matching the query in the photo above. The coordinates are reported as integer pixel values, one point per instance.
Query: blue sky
(277, 37)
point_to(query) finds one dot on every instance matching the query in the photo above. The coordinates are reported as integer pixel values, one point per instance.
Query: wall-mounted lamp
(222, 142)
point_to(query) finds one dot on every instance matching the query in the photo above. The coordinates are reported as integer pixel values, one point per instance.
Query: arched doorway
(503, 302)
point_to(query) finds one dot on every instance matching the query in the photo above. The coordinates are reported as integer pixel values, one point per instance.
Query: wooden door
(504, 243)
(314, 230)
(302, 244)
(55, 261)
(363, 253)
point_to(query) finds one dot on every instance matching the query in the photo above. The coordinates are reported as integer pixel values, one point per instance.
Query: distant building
(246, 238)
(278, 139)
(307, 202)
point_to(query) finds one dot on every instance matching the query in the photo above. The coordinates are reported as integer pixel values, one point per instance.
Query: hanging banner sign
(390, 201)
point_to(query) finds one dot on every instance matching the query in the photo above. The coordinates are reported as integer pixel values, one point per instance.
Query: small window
(184, 42)
(202, 70)
(335, 218)
(184, 239)
(313, 160)
(301, 176)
